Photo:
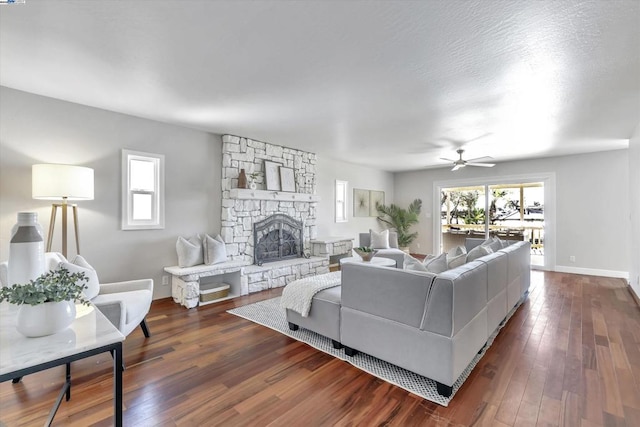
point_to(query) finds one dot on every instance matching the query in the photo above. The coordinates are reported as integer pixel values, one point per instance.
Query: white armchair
(125, 304)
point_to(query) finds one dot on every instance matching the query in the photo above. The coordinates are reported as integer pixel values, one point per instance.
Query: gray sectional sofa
(430, 324)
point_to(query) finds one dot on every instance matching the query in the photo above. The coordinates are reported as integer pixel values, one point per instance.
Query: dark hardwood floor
(569, 356)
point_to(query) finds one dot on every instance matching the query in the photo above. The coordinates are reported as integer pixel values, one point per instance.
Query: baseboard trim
(593, 272)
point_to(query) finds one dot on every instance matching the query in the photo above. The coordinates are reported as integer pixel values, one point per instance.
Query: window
(142, 190)
(341, 201)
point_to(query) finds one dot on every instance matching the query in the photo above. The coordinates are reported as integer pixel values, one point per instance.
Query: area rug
(269, 313)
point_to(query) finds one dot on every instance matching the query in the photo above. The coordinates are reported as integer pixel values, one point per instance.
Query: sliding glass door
(509, 211)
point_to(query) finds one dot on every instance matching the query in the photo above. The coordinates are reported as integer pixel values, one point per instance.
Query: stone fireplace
(276, 238)
(245, 211)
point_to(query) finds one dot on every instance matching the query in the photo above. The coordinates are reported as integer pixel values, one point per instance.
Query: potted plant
(401, 220)
(365, 252)
(253, 179)
(46, 304)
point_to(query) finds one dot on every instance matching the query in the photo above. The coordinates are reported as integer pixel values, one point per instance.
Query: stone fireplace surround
(240, 209)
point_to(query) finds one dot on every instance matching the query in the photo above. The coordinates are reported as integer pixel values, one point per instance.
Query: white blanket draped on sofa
(298, 294)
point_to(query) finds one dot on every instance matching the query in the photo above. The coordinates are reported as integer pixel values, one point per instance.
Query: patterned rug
(268, 313)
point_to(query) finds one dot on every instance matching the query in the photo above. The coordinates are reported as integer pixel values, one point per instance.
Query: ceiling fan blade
(448, 160)
(456, 167)
(480, 159)
(484, 165)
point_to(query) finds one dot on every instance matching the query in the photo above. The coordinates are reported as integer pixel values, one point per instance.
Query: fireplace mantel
(283, 196)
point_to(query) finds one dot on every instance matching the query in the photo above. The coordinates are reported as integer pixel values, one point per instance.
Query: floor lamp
(64, 183)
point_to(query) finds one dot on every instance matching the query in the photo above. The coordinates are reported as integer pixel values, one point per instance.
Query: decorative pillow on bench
(214, 250)
(189, 251)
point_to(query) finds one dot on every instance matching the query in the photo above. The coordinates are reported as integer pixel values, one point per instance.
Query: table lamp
(64, 183)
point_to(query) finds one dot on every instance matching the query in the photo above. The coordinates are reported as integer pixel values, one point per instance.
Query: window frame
(341, 215)
(157, 210)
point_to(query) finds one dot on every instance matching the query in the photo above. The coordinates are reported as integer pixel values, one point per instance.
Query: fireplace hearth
(276, 238)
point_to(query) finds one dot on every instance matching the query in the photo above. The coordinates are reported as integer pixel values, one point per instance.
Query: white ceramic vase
(26, 250)
(45, 319)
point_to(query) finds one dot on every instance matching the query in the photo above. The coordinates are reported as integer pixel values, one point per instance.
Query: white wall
(35, 129)
(634, 202)
(592, 192)
(330, 170)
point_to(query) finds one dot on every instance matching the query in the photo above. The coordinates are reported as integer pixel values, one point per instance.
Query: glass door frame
(547, 178)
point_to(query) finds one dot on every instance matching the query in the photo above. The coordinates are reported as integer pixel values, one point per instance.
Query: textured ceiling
(391, 84)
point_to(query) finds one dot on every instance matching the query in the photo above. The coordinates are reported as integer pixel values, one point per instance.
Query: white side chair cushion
(136, 303)
(379, 240)
(52, 259)
(215, 250)
(189, 251)
(93, 285)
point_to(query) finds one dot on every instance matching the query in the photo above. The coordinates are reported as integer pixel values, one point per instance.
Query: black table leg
(117, 385)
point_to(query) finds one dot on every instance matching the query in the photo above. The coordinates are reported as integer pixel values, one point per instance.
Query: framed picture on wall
(360, 202)
(287, 179)
(272, 175)
(375, 198)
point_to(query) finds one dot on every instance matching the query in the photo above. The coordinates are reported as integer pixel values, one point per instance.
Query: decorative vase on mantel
(242, 179)
(26, 249)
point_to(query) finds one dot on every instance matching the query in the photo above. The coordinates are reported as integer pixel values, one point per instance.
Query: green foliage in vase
(364, 249)
(401, 220)
(54, 286)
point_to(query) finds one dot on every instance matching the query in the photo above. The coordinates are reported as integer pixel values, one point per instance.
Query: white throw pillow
(478, 251)
(410, 263)
(379, 240)
(437, 265)
(456, 257)
(92, 283)
(456, 261)
(214, 250)
(189, 251)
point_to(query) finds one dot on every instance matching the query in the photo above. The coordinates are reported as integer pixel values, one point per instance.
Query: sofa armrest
(114, 311)
(390, 293)
(131, 285)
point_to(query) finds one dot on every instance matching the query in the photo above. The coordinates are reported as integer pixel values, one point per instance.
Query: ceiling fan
(460, 163)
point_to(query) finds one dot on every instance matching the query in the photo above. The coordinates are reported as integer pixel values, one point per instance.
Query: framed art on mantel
(272, 175)
(287, 179)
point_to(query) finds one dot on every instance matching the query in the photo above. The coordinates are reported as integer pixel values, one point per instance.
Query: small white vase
(45, 319)
(253, 185)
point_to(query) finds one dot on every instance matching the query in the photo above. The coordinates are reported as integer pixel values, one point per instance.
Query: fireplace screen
(276, 238)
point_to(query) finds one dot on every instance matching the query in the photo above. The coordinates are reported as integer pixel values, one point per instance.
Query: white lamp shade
(55, 182)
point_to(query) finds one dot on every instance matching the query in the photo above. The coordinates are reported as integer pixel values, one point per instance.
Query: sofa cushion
(379, 240)
(478, 252)
(410, 263)
(189, 251)
(437, 265)
(214, 249)
(456, 261)
(494, 243)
